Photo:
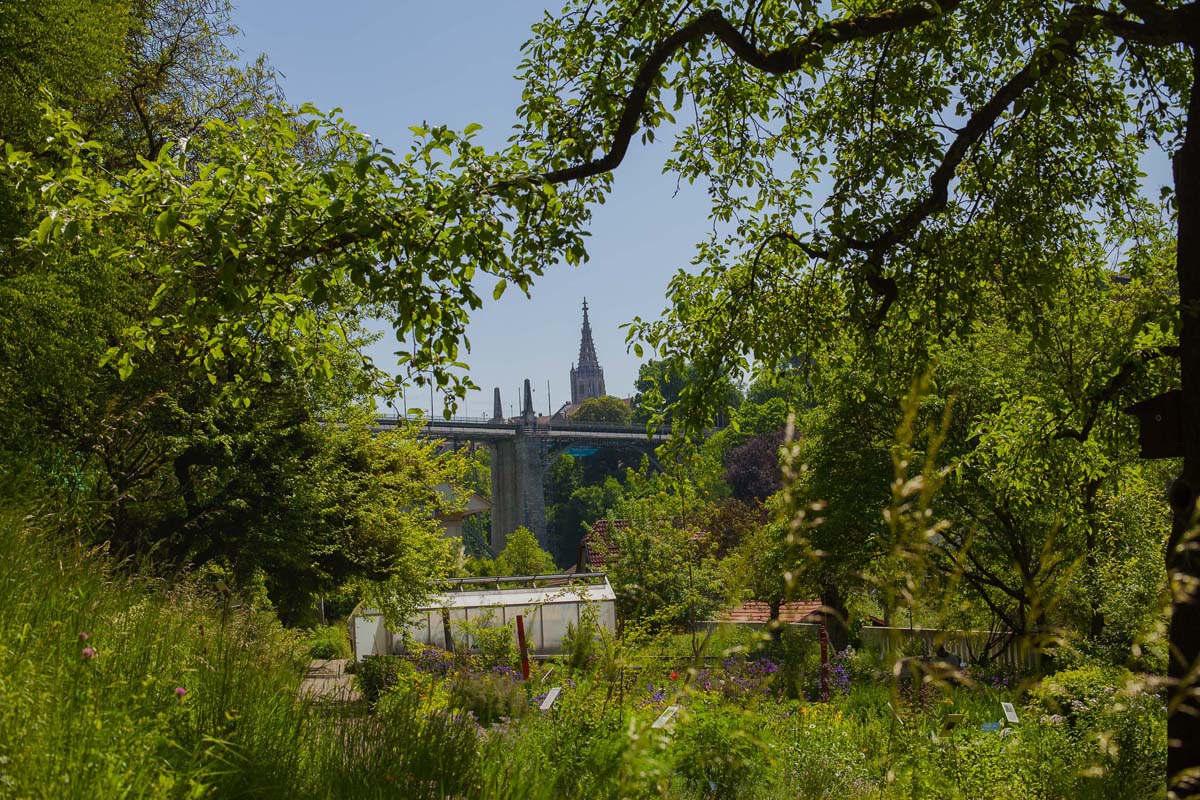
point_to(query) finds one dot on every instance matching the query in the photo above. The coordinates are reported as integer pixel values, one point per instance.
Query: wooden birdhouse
(1160, 421)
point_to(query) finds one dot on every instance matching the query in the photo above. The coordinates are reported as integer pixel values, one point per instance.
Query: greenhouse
(548, 604)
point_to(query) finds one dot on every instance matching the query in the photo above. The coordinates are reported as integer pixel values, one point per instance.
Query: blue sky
(390, 65)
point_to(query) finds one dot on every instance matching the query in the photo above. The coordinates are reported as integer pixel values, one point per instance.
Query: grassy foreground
(118, 687)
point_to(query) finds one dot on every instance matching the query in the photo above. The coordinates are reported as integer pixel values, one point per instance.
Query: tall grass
(112, 685)
(119, 686)
(177, 693)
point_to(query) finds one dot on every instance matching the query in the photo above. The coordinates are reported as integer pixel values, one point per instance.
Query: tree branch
(1116, 382)
(821, 39)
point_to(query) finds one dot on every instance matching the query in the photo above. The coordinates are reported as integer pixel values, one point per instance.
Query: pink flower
(88, 653)
(180, 692)
(83, 636)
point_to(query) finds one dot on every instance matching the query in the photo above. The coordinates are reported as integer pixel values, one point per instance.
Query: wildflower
(674, 675)
(83, 636)
(180, 692)
(88, 653)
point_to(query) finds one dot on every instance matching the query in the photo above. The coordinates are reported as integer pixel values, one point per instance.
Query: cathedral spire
(587, 348)
(587, 378)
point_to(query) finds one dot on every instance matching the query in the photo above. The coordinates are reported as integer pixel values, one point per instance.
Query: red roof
(597, 547)
(760, 613)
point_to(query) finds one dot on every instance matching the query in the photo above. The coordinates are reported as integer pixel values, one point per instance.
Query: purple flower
(180, 692)
(83, 636)
(507, 672)
(88, 653)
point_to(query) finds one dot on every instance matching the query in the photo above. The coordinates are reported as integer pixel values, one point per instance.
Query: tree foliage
(612, 410)
(522, 555)
(170, 461)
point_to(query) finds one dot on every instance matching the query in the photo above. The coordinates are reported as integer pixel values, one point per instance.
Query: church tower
(587, 378)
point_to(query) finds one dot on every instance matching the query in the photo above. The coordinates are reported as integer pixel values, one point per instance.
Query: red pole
(521, 644)
(824, 662)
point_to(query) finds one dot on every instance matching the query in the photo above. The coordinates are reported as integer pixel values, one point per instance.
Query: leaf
(474, 126)
(166, 222)
(499, 290)
(43, 230)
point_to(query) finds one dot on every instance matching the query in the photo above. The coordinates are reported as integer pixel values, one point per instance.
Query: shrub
(1080, 693)
(718, 753)
(579, 643)
(1117, 726)
(376, 674)
(823, 752)
(796, 653)
(490, 696)
(328, 641)
(433, 660)
(496, 644)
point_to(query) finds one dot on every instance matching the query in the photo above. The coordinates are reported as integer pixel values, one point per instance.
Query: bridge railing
(553, 425)
(442, 422)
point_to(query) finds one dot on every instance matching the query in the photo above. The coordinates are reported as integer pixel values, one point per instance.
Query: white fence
(1018, 653)
(1015, 652)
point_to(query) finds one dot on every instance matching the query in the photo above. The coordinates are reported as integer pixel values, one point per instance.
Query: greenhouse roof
(529, 590)
(523, 596)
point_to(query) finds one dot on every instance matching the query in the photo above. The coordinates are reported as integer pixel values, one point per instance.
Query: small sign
(549, 699)
(990, 727)
(666, 716)
(951, 722)
(1010, 713)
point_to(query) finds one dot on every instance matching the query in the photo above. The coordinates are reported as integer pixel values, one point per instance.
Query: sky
(390, 65)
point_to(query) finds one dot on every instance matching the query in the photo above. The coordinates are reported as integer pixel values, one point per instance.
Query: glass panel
(555, 617)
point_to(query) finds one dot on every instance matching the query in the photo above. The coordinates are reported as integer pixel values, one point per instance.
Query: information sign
(666, 716)
(1010, 713)
(549, 699)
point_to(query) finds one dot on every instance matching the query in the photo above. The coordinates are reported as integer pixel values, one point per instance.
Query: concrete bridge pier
(518, 470)
(517, 496)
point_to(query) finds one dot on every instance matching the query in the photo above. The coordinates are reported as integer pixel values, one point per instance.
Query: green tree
(1042, 459)
(522, 555)
(664, 575)
(962, 147)
(659, 386)
(181, 70)
(70, 49)
(603, 409)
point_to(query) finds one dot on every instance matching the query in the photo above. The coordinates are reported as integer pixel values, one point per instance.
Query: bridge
(521, 452)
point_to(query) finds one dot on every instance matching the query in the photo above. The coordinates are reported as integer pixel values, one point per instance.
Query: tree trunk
(1091, 561)
(774, 627)
(835, 614)
(1183, 724)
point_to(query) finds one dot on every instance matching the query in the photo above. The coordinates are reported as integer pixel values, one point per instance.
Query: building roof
(597, 547)
(760, 613)
(523, 597)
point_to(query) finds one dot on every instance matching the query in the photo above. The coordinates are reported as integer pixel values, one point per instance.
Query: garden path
(328, 680)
